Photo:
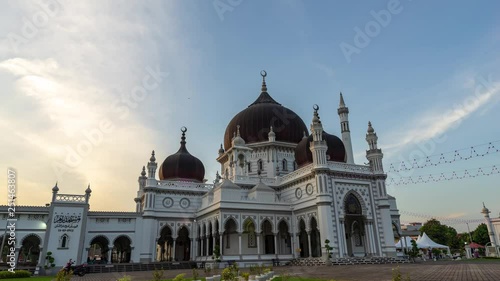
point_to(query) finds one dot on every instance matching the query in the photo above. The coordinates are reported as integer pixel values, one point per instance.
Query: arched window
(260, 165)
(284, 165)
(63, 241)
(294, 165)
(249, 167)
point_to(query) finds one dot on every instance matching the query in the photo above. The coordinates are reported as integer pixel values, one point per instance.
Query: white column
(372, 238)
(309, 243)
(110, 253)
(220, 244)
(173, 250)
(40, 262)
(208, 244)
(239, 241)
(343, 239)
(258, 244)
(275, 243)
(191, 249)
(202, 242)
(213, 242)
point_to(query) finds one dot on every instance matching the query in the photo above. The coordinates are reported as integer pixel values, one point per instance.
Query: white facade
(261, 207)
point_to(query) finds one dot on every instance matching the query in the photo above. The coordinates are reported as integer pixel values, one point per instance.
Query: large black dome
(335, 152)
(182, 165)
(256, 120)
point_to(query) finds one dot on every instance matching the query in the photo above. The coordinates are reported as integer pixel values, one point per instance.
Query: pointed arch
(268, 236)
(285, 239)
(122, 249)
(260, 165)
(165, 244)
(29, 237)
(30, 247)
(315, 238)
(182, 244)
(230, 233)
(349, 200)
(303, 239)
(99, 247)
(230, 218)
(266, 220)
(286, 222)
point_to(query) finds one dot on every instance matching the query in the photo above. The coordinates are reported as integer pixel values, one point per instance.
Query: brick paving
(423, 271)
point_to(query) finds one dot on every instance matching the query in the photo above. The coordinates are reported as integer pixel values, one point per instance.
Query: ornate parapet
(69, 198)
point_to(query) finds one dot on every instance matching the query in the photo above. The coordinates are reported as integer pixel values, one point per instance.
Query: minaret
(152, 165)
(318, 146)
(324, 199)
(374, 154)
(486, 213)
(343, 112)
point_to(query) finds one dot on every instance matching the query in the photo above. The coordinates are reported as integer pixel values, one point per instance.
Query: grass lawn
(293, 278)
(41, 278)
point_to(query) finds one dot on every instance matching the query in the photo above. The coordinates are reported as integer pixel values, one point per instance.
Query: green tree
(436, 231)
(452, 238)
(480, 234)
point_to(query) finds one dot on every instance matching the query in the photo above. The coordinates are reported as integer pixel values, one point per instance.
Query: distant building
(411, 229)
(283, 190)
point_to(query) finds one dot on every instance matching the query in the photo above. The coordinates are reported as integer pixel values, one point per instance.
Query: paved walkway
(423, 271)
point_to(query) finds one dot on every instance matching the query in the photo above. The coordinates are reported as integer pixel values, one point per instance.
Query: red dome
(335, 152)
(256, 120)
(182, 165)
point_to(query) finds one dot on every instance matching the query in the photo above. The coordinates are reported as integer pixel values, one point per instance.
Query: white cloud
(62, 82)
(435, 123)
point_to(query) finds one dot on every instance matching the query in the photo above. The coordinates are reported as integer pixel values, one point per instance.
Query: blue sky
(420, 77)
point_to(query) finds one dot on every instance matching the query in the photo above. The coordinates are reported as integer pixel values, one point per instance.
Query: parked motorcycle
(79, 270)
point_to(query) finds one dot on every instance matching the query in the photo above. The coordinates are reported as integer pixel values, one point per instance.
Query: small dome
(221, 150)
(370, 128)
(182, 165)
(335, 152)
(238, 140)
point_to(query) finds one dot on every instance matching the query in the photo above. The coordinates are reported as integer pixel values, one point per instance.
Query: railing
(337, 166)
(70, 198)
(181, 184)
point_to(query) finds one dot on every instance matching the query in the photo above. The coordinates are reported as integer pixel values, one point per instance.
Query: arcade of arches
(100, 250)
(30, 250)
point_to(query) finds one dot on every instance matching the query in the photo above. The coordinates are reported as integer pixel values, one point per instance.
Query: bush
(157, 275)
(179, 277)
(397, 276)
(16, 274)
(245, 275)
(125, 278)
(64, 275)
(195, 274)
(228, 274)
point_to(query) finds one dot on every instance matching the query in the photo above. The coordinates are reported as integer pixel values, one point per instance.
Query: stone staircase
(349, 261)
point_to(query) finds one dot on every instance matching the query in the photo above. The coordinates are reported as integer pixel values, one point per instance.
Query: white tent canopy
(404, 242)
(425, 242)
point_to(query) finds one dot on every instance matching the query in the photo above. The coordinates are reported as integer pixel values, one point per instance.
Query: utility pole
(470, 235)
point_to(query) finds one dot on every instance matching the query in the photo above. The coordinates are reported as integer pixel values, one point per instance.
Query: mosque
(284, 189)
